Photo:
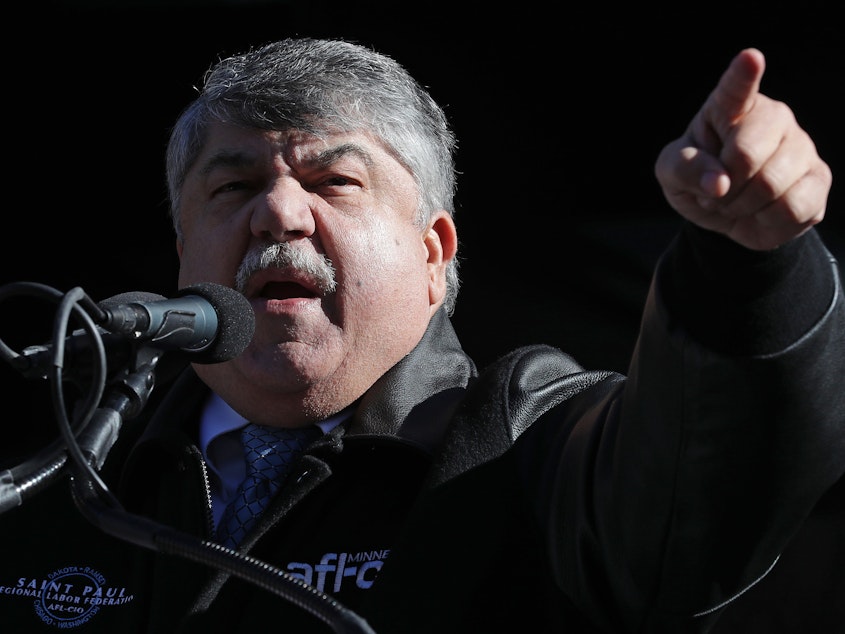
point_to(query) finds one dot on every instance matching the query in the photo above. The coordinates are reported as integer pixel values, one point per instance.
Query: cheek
(387, 265)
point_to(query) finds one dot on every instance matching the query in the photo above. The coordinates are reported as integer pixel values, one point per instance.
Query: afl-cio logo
(71, 596)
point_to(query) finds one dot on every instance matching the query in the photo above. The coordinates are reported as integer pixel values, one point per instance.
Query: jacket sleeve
(679, 488)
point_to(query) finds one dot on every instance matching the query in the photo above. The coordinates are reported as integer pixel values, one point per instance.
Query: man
(316, 178)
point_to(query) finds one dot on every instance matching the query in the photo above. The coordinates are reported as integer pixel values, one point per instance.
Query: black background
(560, 112)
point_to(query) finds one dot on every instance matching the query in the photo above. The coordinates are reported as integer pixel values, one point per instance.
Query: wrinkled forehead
(296, 144)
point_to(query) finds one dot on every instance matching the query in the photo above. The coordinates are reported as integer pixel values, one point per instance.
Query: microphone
(205, 323)
(209, 322)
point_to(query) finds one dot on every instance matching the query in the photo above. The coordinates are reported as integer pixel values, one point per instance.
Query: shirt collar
(219, 418)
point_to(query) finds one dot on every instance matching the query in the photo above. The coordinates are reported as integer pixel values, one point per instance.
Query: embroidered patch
(68, 597)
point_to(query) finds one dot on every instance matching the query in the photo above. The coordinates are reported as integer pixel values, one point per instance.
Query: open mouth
(285, 290)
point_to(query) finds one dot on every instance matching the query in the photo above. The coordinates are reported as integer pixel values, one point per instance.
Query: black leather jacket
(455, 500)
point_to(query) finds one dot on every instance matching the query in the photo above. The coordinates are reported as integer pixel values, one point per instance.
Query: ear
(441, 243)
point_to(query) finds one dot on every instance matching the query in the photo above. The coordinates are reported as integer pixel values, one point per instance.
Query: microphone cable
(33, 475)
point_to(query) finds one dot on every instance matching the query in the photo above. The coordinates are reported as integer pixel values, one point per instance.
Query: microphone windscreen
(235, 322)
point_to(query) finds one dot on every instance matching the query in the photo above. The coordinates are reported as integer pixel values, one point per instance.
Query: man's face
(342, 197)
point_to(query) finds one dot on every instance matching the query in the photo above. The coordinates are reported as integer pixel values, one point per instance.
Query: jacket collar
(431, 378)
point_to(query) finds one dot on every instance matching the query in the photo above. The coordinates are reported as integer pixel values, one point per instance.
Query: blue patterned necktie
(268, 452)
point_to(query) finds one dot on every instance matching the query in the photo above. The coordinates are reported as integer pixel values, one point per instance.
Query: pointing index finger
(737, 89)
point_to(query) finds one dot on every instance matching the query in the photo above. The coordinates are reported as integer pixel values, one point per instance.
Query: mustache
(281, 255)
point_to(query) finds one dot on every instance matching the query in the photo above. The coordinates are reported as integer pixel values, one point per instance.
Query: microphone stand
(38, 472)
(98, 422)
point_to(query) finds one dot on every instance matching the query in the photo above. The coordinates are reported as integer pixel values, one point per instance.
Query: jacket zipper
(196, 455)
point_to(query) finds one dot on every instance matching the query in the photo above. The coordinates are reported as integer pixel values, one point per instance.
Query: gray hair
(319, 86)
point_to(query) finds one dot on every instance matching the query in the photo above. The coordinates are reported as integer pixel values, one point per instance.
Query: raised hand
(744, 167)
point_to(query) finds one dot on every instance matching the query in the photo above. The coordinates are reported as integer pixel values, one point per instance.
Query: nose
(283, 211)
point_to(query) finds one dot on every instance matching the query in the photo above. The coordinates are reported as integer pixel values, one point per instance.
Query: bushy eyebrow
(227, 158)
(328, 157)
(324, 159)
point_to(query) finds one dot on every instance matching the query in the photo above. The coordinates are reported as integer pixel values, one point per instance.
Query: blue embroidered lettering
(68, 597)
